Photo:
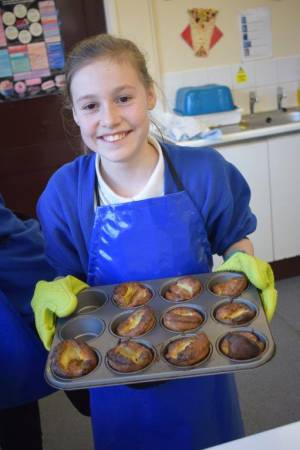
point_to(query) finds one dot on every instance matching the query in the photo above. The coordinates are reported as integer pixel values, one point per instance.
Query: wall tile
(267, 98)
(175, 80)
(288, 69)
(290, 90)
(241, 99)
(219, 75)
(194, 77)
(169, 97)
(264, 76)
(171, 82)
(265, 72)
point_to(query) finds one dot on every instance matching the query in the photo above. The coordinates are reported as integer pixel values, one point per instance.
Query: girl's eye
(89, 107)
(123, 99)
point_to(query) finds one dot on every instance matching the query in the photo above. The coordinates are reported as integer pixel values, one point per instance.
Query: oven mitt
(259, 273)
(51, 299)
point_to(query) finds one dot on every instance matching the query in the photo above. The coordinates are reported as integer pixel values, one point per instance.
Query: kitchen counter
(281, 438)
(260, 125)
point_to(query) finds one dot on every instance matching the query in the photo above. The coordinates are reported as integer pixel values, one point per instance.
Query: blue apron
(23, 359)
(156, 238)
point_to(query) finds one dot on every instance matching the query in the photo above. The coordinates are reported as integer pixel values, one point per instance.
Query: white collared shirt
(153, 188)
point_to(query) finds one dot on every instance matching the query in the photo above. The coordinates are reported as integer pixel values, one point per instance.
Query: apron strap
(174, 174)
(96, 189)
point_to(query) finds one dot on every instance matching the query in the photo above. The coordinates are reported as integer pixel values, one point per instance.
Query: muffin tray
(96, 316)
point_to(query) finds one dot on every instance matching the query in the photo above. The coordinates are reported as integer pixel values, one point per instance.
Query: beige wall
(170, 18)
(134, 19)
(155, 25)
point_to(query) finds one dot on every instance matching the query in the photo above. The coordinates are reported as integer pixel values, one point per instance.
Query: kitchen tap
(280, 96)
(252, 100)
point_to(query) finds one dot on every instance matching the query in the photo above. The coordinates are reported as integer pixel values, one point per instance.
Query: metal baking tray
(93, 321)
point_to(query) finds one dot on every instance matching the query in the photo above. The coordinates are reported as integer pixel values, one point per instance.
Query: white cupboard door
(252, 161)
(284, 154)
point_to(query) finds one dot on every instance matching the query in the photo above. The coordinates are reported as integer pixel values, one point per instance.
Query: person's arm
(229, 219)
(62, 215)
(21, 252)
(66, 213)
(244, 245)
(223, 196)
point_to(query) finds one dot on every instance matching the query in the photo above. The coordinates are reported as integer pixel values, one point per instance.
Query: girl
(134, 208)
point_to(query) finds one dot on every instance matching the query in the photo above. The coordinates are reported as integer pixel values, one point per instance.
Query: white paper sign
(256, 33)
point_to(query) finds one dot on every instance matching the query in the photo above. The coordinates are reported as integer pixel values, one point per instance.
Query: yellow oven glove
(259, 273)
(51, 299)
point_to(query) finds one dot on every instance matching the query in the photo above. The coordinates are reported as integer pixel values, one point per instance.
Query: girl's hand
(53, 299)
(259, 273)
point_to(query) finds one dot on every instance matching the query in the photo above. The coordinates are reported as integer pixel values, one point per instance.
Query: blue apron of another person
(23, 359)
(156, 238)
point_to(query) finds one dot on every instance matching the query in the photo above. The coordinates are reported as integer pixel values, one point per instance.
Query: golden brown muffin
(132, 294)
(129, 356)
(241, 345)
(137, 323)
(233, 287)
(234, 313)
(188, 350)
(183, 289)
(73, 358)
(182, 319)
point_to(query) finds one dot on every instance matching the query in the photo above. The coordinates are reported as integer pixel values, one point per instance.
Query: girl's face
(110, 105)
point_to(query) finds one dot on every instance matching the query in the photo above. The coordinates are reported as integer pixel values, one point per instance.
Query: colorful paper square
(5, 66)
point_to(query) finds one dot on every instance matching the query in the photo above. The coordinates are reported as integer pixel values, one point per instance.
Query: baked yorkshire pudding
(188, 350)
(129, 295)
(234, 313)
(182, 319)
(73, 358)
(183, 289)
(129, 356)
(137, 323)
(241, 345)
(233, 287)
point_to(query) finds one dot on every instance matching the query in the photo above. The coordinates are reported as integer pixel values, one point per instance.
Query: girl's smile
(114, 137)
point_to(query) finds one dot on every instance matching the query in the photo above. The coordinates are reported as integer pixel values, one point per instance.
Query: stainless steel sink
(264, 120)
(271, 118)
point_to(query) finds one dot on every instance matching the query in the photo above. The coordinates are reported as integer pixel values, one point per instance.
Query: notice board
(31, 49)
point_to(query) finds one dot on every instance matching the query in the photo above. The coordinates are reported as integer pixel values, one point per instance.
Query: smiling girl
(135, 208)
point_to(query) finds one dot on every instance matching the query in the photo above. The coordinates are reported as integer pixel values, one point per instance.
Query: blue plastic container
(206, 99)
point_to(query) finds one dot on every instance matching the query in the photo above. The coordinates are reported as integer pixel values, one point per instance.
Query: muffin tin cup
(177, 366)
(135, 372)
(61, 379)
(185, 305)
(82, 327)
(95, 328)
(240, 299)
(164, 287)
(220, 277)
(90, 300)
(124, 307)
(123, 316)
(260, 336)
